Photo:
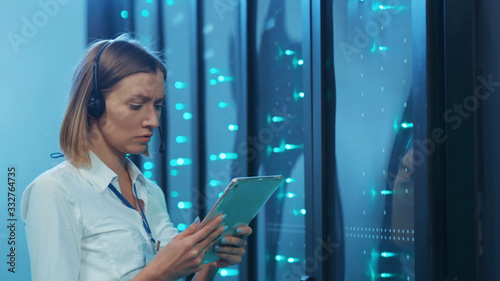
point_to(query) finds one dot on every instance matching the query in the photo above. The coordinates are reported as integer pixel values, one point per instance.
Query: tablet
(241, 201)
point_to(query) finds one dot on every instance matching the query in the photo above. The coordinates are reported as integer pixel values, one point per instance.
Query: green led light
(386, 192)
(174, 194)
(184, 205)
(279, 258)
(386, 275)
(180, 162)
(407, 125)
(187, 116)
(373, 192)
(214, 183)
(148, 165)
(382, 48)
(148, 174)
(223, 104)
(214, 70)
(291, 195)
(179, 85)
(278, 149)
(213, 82)
(170, 2)
(180, 106)
(124, 14)
(174, 173)
(296, 62)
(299, 95)
(292, 260)
(388, 254)
(293, 146)
(222, 78)
(277, 119)
(232, 127)
(181, 226)
(227, 272)
(224, 156)
(289, 52)
(228, 155)
(299, 212)
(145, 13)
(289, 180)
(181, 139)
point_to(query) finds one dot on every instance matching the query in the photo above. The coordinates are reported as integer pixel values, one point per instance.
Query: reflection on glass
(277, 137)
(224, 157)
(179, 99)
(374, 137)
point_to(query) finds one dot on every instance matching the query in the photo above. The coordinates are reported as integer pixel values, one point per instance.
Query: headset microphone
(162, 143)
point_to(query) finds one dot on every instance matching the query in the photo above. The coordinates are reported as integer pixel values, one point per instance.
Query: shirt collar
(100, 175)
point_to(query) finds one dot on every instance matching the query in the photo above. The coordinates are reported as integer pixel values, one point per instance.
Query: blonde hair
(121, 58)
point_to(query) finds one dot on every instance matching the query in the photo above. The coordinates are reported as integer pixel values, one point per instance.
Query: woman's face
(132, 112)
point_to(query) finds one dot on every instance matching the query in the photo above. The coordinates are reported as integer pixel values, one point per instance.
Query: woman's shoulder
(55, 179)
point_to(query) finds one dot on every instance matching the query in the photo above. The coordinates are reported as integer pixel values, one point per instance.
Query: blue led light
(174, 173)
(180, 162)
(148, 165)
(179, 85)
(291, 195)
(149, 1)
(174, 194)
(385, 192)
(289, 180)
(227, 272)
(181, 226)
(170, 2)
(279, 258)
(232, 127)
(145, 13)
(181, 139)
(124, 14)
(187, 116)
(148, 174)
(184, 205)
(213, 82)
(223, 104)
(180, 106)
(214, 183)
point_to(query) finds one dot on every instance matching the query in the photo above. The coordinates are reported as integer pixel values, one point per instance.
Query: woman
(95, 216)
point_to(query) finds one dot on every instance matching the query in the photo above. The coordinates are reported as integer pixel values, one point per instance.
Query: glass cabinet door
(374, 140)
(277, 135)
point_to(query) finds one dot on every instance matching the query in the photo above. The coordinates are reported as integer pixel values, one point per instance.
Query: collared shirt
(78, 229)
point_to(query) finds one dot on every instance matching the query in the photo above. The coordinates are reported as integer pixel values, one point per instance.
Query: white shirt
(78, 229)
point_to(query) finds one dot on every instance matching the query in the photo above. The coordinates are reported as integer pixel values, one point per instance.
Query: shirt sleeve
(53, 230)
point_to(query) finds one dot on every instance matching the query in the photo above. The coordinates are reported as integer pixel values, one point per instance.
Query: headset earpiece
(96, 104)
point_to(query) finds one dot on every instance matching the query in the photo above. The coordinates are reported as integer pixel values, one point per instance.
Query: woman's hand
(230, 249)
(184, 254)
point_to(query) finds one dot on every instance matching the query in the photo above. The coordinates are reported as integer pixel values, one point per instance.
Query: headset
(96, 104)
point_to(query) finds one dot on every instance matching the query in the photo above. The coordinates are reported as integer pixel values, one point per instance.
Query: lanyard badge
(145, 223)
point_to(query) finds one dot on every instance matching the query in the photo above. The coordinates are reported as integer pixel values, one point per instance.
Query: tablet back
(241, 201)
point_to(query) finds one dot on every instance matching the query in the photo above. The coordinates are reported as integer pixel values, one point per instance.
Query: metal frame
(460, 68)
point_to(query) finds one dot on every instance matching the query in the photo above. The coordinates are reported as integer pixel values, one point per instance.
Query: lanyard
(144, 220)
